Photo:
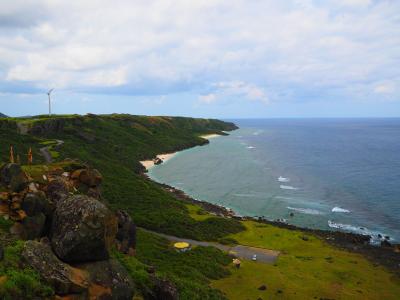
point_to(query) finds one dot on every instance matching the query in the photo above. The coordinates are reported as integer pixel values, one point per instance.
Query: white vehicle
(254, 258)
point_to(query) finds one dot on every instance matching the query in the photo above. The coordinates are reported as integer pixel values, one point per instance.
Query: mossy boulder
(83, 229)
(64, 278)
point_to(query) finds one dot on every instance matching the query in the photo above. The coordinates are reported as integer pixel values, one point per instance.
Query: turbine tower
(48, 94)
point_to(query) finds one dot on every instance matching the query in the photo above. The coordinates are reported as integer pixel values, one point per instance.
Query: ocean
(337, 174)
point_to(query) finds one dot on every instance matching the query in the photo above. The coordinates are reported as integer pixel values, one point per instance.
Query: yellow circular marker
(182, 246)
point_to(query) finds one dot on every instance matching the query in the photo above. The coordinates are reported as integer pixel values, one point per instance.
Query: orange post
(11, 154)
(30, 157)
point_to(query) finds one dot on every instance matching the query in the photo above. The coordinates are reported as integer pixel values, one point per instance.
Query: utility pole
(48, 94)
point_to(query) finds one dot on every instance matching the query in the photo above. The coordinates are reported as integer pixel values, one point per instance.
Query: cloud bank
(259, 51)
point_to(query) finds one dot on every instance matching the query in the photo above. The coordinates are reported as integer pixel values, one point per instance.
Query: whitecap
(287, 187)
(283, 179)
(250, 147)
(307, 211)
(347, 227)
(340, 210)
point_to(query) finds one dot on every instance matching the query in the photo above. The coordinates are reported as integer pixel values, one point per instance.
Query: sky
(223, 59)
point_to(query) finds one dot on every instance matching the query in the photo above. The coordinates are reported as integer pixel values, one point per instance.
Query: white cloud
(385, 88)
(296, 45)
(209, 98)
(235, 89)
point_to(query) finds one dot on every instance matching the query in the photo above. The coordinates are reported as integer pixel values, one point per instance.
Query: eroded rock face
(12, 175)
(109, 280)
(64, 278)
(83, 229)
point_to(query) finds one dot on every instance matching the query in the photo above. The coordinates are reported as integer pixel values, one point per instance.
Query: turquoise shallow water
(331, 174)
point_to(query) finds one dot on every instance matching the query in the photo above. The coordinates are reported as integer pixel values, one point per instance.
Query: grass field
(308, 269)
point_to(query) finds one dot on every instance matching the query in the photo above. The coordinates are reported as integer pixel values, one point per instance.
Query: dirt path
(45, 151)
(240, 251)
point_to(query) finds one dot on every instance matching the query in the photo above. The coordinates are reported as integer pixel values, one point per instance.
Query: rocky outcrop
(165, 290)
(12, 176)
(64, 278)
(126, 235)
(109, 280)
(83, 229)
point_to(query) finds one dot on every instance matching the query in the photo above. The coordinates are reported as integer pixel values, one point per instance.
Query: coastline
(160, 158)
(386, 255)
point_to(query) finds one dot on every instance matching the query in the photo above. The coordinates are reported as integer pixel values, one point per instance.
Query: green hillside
(114, 144)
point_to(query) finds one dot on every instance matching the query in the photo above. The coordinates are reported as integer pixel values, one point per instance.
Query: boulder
(36, 203)
(64, 278)
(12, 175)
(33, 227)
(165, 290)
(108, 280)
(89, 177)
(126, 235)
(83, 229)
(57, 189)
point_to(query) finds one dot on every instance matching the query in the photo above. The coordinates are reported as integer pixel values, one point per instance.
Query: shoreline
(161, 158)
(387, 255)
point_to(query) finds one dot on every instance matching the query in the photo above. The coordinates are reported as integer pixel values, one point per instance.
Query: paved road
(45, 151)
(240, 251)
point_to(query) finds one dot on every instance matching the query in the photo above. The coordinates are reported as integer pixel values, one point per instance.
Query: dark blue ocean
(330, 173)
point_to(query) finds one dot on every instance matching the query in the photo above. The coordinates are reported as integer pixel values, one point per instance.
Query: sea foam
(287, 187)
(340, 210)
(307, 211)
(283, 179)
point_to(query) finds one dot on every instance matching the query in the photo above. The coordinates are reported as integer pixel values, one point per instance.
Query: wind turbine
(48, 94)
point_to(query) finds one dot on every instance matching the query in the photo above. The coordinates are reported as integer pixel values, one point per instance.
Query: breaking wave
(340, 210)
(283, 179)
(307, 211)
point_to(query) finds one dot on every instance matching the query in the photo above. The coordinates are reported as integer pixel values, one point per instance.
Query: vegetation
(114, 144)
(306, 269)
(17, 282)
(190, 271)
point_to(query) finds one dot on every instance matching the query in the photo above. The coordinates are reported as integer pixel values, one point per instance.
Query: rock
(108, 280)
(36, 203)
(166, 290)
(158, 161)
(386, 243)
(126, 235)
(89, 177)
(304, 238)
(83, 229)
(33, 227)
(13, 176)
(57, 189)
(263, 287)
(64, 278)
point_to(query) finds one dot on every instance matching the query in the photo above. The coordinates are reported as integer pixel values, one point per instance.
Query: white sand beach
(150, 163)
(166, 156)
(210, 136)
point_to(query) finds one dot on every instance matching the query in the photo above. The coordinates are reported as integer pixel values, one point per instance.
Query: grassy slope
(115, 144)
(305, 270)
